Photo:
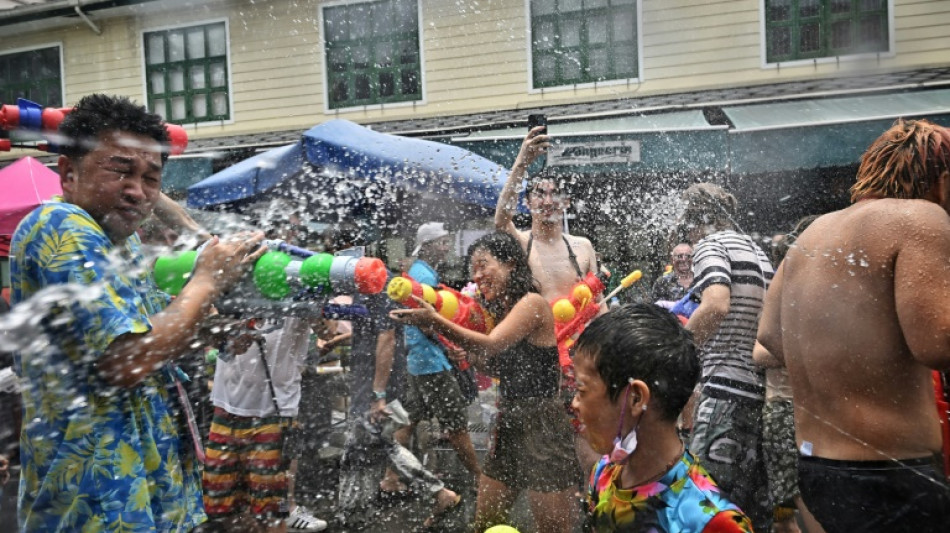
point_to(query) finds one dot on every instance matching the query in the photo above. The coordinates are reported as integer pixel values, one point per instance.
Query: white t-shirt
(240, 383)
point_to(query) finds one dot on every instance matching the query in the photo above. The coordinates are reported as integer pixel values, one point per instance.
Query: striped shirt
(733, 259)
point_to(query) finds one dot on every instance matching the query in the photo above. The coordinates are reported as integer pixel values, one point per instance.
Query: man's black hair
(96, 114)
(648, 343)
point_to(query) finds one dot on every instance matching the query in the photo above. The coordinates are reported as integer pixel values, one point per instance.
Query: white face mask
(624, 446)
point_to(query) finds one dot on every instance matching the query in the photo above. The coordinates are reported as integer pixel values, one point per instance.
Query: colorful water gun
(30, 116)
(573, 312)
(459, 308)
(285, 266)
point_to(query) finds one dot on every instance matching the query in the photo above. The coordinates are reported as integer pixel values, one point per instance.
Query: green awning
(805, 113)
(821, 133)
(665, 142)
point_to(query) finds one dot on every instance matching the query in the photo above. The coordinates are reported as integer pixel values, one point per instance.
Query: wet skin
(858, 313)
(117, 183)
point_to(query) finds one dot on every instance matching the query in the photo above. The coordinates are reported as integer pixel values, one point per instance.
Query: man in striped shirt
(730, 276)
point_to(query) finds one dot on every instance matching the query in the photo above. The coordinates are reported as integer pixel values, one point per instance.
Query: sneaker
(301, 520)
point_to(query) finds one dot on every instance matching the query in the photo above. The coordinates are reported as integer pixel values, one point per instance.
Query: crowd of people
(745, 392)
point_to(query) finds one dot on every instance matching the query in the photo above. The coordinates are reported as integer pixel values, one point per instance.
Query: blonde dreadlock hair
(904, 162)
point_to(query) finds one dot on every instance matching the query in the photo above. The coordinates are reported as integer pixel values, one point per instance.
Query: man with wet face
(557, 260)
(673, 286)
(857, 313)
(103, 448)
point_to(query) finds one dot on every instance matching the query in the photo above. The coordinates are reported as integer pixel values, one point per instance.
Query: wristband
(380, 395)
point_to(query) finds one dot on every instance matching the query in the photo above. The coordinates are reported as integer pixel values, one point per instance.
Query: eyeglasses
(682, 256)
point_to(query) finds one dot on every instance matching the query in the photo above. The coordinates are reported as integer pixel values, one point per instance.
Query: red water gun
(459, 308)
(28, 115)
(572, 313)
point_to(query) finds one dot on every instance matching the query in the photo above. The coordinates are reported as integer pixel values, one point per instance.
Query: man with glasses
(673, 286)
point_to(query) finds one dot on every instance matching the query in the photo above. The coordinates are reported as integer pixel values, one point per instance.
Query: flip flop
(435, 519)
(387, 496)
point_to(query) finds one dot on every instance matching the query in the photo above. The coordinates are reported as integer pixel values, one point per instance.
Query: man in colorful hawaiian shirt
(101, 444)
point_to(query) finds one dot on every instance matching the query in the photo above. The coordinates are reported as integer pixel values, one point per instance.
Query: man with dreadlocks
(858, 314)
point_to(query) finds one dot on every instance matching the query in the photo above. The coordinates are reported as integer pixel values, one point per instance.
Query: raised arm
(133, 356)
(534, 144)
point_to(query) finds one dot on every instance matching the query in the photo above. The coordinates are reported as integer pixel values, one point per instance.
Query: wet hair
(536, 179)
(506, 249)
(709, 204)
(904, 162)
(98, 114)
(780, 248)
(645, 342)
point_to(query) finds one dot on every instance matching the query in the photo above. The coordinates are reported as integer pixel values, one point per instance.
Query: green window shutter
(808, 29)
(32, 74)
(372, 53)
(583, 41)
(186, 73)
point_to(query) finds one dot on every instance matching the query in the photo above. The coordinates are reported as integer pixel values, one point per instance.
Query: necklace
(658, 475)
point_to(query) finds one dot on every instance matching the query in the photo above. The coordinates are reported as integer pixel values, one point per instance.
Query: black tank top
(528, 371)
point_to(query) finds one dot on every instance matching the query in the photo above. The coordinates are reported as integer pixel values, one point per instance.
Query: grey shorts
(781, 456)
(533, 446)
(727, 438)
(436, 396)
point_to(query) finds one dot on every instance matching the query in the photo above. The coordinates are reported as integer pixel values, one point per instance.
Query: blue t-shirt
(424, 355)
(95, 457)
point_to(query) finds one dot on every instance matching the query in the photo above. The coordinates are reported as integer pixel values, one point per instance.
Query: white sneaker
(301, 520)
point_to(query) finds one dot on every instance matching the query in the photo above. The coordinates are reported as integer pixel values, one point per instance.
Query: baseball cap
(429, 231)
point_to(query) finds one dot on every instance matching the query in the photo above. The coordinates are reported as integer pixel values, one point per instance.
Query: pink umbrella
(24, 185)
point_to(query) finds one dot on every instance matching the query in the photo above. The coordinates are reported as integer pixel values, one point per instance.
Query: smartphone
(537, 120)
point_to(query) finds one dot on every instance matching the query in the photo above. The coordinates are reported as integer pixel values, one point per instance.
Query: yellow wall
(475, 56)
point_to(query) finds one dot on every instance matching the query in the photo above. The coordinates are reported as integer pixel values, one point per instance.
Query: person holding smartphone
(557, 260)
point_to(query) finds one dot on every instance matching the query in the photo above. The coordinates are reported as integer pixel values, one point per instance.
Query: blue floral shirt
(95, 457)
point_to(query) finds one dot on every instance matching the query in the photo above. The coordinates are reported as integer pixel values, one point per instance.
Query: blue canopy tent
(338, 157)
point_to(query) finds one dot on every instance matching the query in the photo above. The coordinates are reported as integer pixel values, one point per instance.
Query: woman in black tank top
(532, 446)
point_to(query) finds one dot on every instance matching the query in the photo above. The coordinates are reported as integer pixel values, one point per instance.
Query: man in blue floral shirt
(101, 447)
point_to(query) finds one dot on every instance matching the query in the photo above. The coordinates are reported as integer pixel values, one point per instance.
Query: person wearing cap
(431, 388)
(730, 276)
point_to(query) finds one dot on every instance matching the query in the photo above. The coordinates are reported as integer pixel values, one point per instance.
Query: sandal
(436, 519)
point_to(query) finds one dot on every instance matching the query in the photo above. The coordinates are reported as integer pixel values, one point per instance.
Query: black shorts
(911, 495)
(436, 396)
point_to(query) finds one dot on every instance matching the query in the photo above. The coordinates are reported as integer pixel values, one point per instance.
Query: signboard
(594, 153)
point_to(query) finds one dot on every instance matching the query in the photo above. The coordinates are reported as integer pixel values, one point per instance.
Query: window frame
(532, 89)
(62, 67)
(143, 35)
(823, 59)
(327, 109)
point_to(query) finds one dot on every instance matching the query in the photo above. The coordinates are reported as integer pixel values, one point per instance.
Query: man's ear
(67, 173)
(639, 396)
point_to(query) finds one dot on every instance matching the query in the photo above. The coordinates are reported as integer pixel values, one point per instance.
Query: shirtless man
(557, 260)
(858, 314)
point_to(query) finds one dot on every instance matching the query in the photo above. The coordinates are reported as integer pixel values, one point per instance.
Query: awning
(763, 138)
(664, 142)
(821, 133)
